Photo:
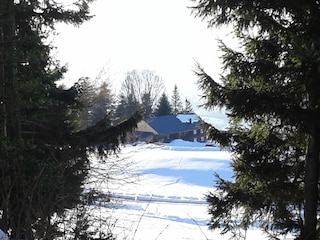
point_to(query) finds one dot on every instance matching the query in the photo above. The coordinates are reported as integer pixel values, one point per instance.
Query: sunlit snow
(160, 191)
(186, 118)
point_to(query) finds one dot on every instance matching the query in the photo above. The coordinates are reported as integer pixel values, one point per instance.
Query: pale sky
(158, 35)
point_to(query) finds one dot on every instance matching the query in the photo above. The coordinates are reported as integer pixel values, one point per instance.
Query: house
(169, 127)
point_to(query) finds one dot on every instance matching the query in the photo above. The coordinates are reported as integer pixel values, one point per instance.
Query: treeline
(44, 145)
(140, 92)
(47, 132)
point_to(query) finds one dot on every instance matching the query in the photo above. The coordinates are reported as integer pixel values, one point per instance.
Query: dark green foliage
(270, 90)
(96, 103)
(103, 103)
(268, 182)
(147, 105)
(188, 107)
(43, 156)
(176, 103)
(127, 106)
(164, 107)
(87, 93)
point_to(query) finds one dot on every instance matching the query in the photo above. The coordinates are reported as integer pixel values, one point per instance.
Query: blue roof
(170, 124)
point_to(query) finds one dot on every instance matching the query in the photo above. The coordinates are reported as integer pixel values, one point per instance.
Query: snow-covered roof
(186, 118)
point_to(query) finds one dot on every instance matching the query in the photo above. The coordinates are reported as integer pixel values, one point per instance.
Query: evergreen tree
(176, 103)
(164, 107)
(188, 107)
(103, 103)
(126, 107)
(272, 84)
(146, 105)
(86, 99)
(43, 159)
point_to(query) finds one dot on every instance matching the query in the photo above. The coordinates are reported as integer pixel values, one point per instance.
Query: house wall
(195, 135)
(142, 126)
(191, 136)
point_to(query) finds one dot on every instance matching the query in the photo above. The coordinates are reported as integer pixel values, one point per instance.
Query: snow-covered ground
(158, 191)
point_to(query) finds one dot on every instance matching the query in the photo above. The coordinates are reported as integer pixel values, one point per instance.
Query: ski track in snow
(161, 195)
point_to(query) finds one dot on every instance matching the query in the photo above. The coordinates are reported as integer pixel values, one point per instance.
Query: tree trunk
(3, 114)
(311, 186)
(311, 191)
(10, 127)
(10, 122)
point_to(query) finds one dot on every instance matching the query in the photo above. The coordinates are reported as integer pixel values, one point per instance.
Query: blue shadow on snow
(196, 177)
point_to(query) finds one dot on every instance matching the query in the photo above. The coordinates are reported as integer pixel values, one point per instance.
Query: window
(194, 131)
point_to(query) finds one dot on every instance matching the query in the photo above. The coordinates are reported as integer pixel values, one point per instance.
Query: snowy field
(158, 191)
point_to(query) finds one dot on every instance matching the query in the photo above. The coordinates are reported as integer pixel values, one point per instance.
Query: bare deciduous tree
(145, 86)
